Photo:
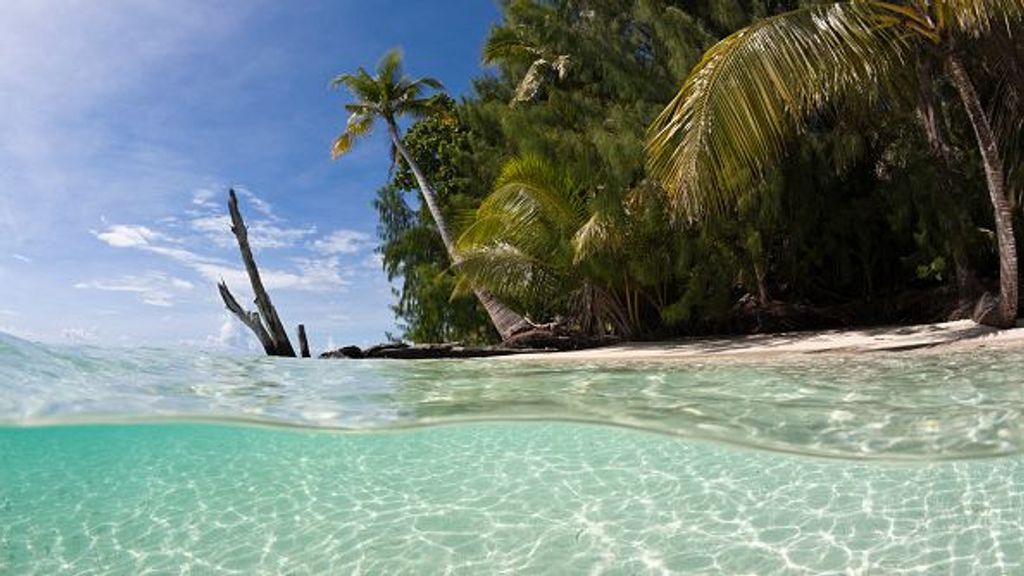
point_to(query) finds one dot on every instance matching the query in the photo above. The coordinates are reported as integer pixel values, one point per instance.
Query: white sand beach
(926, 337)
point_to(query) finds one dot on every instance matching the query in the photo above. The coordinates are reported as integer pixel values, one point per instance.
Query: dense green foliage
(542, 171)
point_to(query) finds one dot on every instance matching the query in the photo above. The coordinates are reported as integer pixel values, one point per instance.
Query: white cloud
(153, 288)
(373, 261)
(128, 236)
(311, 274)
(4, 312)
(233, 336)
(342, 242)
(216, 229)
(257, 203)
(204, 198)
(21, 258)
(262, 233)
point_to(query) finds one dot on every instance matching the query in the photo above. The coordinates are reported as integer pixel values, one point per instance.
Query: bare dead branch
(265, 324)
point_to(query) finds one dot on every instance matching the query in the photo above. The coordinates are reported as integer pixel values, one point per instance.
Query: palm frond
(427, 82)
(978, 17)
(504, 44)
(510, 273)
(387, 95)
(599, 234)
(361, 85)
(538, 181)
(389, 69)
(359, 125)
(751, 91)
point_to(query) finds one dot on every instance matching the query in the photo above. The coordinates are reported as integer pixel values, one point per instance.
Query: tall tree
(754, 89)
(387, 96)
(412, 254)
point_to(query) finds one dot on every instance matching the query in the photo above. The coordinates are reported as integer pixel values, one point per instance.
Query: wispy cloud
(263, 234)
(321, 270)
(342, 242)
(128, 236)
(153, 288)
(21, 258)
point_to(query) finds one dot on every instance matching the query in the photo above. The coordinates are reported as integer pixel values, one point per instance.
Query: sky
(123, 124)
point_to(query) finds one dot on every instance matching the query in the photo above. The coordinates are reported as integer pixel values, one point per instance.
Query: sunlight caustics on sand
(130, 462)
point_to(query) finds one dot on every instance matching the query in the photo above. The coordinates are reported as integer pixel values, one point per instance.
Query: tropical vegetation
(750, 92)
(387, 96)
(649, 168)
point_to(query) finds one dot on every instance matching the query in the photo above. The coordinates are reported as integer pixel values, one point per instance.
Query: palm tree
(541, 239)
(387, 96)
(751, 91)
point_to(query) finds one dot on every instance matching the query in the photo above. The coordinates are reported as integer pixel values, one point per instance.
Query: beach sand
(926, 337)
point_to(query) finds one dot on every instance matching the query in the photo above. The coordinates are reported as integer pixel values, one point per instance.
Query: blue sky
(124, 123)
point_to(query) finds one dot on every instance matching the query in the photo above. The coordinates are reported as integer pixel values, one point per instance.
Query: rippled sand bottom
(482, 498)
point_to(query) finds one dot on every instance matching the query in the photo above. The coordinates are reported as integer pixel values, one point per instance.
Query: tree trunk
(994, 175)
(955, 223)
(505, 320)
(265, 324)
(303, 342)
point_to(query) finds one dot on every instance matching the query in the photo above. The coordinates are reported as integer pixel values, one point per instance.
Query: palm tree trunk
(505, 320)
(955, 223)
(994, 175)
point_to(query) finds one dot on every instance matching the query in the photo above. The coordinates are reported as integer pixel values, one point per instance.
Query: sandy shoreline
(962, 334)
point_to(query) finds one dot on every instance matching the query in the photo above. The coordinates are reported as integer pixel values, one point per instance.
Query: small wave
(900, 408)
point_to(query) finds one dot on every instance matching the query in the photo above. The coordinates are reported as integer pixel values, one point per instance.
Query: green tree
(529, 243)
(411, 250)
(753, 90)
(387, 96)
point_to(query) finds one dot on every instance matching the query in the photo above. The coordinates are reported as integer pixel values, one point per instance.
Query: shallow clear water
(129, 462)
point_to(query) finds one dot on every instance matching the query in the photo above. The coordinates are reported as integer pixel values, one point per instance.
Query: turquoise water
(153, 461)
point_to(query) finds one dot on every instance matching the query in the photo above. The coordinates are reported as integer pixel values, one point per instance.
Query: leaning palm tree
(752, 91)
(387, 96)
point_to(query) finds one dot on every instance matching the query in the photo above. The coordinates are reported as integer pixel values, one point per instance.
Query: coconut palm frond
(359, 125)
(504, 44)
(387, 95)
(750, 92)
(360, 84)
(524, 229)
(389, 69)
(537, 181)
(599, 234)
(510, 273)
(978, 17)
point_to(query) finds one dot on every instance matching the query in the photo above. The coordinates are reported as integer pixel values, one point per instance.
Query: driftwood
(303, 342)
(265, 323)
(539, 339)
(426, 352)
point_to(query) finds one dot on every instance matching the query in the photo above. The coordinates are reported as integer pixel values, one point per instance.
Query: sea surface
(151, 461)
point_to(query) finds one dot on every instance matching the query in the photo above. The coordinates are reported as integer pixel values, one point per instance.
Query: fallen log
(540, 339)
(426, 352)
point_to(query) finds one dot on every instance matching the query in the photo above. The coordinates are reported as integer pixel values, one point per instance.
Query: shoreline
(929, 338)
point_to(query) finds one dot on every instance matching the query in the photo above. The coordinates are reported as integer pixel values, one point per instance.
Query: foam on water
(888, 406)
